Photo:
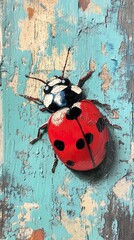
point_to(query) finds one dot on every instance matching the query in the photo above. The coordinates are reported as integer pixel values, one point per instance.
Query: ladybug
(76, 128)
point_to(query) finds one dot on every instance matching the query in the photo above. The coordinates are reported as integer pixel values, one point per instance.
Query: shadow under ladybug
(102, 171)
(76, 128)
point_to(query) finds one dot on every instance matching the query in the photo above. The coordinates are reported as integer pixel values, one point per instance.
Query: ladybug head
(55, 84)
(59, 92)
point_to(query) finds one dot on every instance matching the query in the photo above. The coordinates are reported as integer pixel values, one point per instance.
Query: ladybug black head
(59, 92)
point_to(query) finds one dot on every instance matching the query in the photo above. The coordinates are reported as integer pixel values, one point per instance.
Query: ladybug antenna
(35, 79)
(62, 76)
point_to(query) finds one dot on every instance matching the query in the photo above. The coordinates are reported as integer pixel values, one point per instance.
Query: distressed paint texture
(37, 204)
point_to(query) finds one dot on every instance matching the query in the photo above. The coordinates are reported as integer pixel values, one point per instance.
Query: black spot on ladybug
(100, 124)
(53, 107)
(89, 137)
(70, 163)
(73, 113)
(59, 145)
(80, 143)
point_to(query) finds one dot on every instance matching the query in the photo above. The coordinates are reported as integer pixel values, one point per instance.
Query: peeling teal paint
(28, 168)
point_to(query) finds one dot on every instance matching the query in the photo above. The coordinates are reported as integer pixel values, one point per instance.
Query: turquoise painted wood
(37, 204)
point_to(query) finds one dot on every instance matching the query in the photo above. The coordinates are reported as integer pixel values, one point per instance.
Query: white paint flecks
(103, 49)
(56, 61)
(63, 190)
(102, 203)
(105, 76)
(23, 218)
(58, 116)
(24, 233)
(92, 65)
(33, 86)
(88, 205)
(34, 29)
(122, 189)
(14, 83)
(33, 37)
(25, 213)
(78, 228)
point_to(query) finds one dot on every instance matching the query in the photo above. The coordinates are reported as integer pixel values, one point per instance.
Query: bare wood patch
(105, 76)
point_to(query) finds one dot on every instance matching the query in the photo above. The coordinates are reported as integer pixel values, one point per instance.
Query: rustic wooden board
(37, 204)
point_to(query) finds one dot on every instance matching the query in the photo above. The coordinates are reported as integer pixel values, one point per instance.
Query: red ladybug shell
(79, 135)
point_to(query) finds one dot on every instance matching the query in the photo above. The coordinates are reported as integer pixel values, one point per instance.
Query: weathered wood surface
(37, 204)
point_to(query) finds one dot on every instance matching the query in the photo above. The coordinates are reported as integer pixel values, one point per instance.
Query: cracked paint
(105, 76)
(123, 188)
(103, 49)
(36, 41)
(14, 83)
(78, 228)
(66, 205)
(25, 213)
(63, 190)
(88, 205)
(56, 61)
(92, 65)
(24, 233)
(33, 87)
(118, 221)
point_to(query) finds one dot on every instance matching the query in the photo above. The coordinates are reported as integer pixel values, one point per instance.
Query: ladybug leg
(43, 109)
(84, 79)
(106, 106)
(39, 134)
(55, 163)
(35, 100)
(112, 125)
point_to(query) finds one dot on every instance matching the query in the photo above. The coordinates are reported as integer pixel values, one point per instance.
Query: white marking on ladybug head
(76, 89)
(58, 99)
(63, 81)
(48, 100)
(54, 82)
(78, 104)
(58, 116)
(58, 88)
(46, 88)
